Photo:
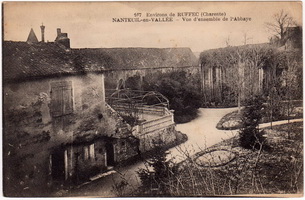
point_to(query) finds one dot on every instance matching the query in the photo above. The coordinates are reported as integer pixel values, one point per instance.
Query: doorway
(109, 154)
(58, 165)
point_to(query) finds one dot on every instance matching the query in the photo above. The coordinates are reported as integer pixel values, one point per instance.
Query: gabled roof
(32, 37)
(27, 61)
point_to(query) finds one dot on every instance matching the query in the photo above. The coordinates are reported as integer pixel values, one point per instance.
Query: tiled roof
(23, 61)
(26, 61)
(135, 58)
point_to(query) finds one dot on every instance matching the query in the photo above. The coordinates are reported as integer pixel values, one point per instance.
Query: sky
(90, 25)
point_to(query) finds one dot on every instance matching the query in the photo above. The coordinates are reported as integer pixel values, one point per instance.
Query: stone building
(291, 39)
(57, 125)
(58, 128)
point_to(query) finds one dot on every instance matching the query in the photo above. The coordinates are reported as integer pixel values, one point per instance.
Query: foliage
(133, 82)
(239, 67)
(279, 171)
(182, 91)
(158, 175)
(239, 73)
(285, 71)
(273, 109)
(250, 137)
(275, 112)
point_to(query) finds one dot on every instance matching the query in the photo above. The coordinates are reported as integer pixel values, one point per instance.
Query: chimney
(58, 32)
(62, 39)
(42, 27)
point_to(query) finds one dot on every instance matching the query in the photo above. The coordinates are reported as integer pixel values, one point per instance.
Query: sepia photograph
(152, 99)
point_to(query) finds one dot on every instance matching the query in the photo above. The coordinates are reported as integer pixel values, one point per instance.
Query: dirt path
(202, 132)
(264, 125)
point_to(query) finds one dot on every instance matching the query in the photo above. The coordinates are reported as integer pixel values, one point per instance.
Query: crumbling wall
(126, 148)
(31, 132)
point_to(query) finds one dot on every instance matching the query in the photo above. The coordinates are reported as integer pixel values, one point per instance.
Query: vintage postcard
(152, 99)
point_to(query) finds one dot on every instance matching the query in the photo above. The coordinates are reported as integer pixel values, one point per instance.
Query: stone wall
(34, 128)
(60, 131)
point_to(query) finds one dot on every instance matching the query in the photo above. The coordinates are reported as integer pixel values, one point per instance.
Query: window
(86, 153)
(61, 98)
(89, 152)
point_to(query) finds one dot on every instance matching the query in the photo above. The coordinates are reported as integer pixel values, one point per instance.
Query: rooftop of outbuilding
(25, 61)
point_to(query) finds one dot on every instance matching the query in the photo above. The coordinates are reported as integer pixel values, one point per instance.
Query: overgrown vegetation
(250, 137)
(277, 171)
(237, 74)
(284, 110)
(268, 161)
(158, 175)
(181, 89)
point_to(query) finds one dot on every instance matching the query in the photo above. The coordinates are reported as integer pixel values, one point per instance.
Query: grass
(278, 170)
(232, 120)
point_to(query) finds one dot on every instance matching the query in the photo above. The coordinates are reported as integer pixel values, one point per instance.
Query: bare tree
(246, 38)
(281, 21)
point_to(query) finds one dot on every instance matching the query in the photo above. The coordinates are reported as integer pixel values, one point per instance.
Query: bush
(158, 175)
(182, 91)
(250, 137)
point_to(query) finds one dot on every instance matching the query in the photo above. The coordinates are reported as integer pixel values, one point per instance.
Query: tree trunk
(238, 103)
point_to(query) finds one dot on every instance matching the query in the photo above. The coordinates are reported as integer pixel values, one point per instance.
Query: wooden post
(50, 167)
(66, 164)
(220, 83)
(202, 79)
(260, 78)
(210, 82)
